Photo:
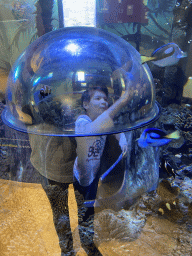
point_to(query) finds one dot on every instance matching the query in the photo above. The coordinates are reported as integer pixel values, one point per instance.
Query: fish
(45, 91)
(161, 211)
(166, 169)
(168, 206)
(171, 206)
(155, 137)
(23, 117)
(166, 55)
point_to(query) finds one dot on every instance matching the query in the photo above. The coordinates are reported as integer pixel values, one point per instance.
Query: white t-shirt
(89, 151)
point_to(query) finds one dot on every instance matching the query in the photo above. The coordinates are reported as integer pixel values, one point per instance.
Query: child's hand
(124, 150)
(128, 94)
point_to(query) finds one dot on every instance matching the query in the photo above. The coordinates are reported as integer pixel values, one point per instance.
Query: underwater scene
(96, 127)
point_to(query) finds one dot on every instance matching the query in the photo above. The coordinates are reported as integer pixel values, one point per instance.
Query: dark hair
(96, 85)
(86, 96)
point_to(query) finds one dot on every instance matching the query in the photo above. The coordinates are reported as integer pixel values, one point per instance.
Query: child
(98, 119)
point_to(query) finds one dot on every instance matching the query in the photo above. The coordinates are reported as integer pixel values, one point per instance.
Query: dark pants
(58, 196)
(88, 193)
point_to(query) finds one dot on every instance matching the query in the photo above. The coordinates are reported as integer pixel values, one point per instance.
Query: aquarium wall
(21, 22)
(146, 24)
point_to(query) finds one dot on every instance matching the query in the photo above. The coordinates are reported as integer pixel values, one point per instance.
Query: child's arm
(105, 120)
(122, 142)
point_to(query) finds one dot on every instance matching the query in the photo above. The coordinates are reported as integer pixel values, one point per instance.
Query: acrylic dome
(47, 80)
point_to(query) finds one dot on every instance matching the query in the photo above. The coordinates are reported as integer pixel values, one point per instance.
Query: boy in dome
(97, 119)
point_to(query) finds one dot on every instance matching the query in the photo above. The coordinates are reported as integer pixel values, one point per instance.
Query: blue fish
(166, 55)
(155, 137)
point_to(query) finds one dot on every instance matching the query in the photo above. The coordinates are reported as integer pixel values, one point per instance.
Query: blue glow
(50, 75)
(16, 74)
(36, 81)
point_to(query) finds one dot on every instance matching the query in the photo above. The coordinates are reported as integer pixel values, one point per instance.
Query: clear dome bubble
(46, 83)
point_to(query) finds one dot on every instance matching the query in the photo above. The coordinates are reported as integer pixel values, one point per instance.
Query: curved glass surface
(46, 82)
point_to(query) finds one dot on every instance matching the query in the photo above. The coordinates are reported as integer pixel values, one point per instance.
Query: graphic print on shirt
(94, 152)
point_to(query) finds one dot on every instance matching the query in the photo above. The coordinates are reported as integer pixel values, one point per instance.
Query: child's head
(95, 101)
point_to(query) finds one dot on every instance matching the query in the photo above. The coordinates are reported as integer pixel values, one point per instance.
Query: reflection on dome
(48, 79)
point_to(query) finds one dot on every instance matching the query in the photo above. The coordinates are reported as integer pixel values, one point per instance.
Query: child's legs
(57, 194)
(86, 216)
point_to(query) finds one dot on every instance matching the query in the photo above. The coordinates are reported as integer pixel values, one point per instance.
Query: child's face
(97, 104)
